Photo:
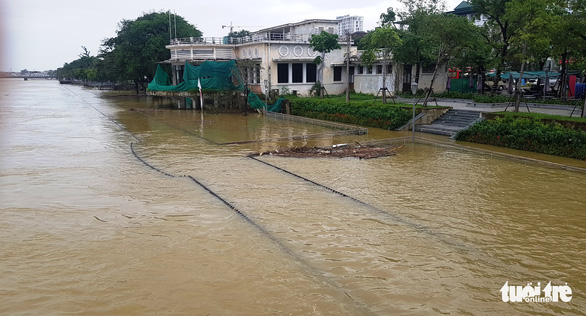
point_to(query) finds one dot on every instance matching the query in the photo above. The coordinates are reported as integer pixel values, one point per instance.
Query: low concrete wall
(432, 115)
(372, 83)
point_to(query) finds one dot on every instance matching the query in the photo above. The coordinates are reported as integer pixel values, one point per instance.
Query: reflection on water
(88, 228)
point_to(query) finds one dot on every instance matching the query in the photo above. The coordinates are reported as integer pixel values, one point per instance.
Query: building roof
(463, 8)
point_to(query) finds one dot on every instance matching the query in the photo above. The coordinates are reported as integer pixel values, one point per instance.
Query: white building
(278, 57)
(349, 24)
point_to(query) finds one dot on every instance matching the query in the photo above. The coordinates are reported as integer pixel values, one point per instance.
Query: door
(407, 78)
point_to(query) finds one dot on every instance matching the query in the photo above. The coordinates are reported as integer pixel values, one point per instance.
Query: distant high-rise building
(350, 24)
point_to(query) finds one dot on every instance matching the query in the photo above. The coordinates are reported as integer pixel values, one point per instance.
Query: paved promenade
(553, 109)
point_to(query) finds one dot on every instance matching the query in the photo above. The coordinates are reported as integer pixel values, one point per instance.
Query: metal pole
(414, 91)
(170, 36)
(175, 18)
(413, 127)
(348, 67)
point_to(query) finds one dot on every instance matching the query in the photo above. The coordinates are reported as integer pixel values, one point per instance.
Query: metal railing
(287, 37)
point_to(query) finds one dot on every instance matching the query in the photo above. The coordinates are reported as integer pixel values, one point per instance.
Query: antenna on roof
(175, 16)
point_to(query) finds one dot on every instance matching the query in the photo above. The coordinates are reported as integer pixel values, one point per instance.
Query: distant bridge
(26, 77)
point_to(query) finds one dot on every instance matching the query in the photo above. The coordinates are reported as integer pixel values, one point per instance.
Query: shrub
(528, 134)
(385, 116)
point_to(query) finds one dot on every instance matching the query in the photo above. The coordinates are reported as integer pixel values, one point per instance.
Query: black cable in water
(106, 116)
(393, 217)
(359, 305)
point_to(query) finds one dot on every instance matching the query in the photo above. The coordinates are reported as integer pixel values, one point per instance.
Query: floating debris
(336, 151)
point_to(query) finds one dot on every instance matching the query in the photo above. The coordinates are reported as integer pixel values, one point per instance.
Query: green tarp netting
(256, 103)
(214, 76)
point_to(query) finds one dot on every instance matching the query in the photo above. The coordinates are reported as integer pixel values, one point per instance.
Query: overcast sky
(45, 34)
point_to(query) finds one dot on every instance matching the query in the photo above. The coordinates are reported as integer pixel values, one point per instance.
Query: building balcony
(264, 37)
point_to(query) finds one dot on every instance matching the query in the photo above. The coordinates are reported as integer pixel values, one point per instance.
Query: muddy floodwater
(117, 205)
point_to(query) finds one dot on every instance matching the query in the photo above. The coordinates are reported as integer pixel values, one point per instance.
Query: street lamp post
(414, 91)
(266, 92)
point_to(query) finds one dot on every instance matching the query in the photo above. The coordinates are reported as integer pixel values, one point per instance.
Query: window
(311, 72)
(428, 69)
(359, 70)
(297, 70)
(379, 69)
(257, 73)
(283, 73)
(245, 75)
(337, 73)
(389, 69)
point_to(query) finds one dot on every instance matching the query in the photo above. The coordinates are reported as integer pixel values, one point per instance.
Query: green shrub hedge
(528, 134)
(385, 116)
(566, 121)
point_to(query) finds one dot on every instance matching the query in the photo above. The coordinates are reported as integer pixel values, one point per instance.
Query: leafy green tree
(568, 36)
(414, 49)
(532, 18)
(447, 36)
(387, 18)
(139, 45)
(241, 33)
(497, 31)
(323, 43)
(421, 6)
(475, 54)
(381, 43)
(83, 68)
(547, 28)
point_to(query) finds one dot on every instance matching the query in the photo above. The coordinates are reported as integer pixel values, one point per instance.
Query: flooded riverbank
(88, 228)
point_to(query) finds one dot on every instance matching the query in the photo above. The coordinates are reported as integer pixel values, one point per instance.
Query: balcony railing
(288, 37)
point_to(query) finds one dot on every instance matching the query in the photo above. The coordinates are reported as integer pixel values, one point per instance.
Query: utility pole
(175, 18)
(170, 36)
(348, 36)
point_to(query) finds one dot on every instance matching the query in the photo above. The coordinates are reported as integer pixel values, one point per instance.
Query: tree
(241, 33)
(547, 28)
(414, 49)
(238, 36)
(83, 68)
(475, 54)
(532, 18)
(497, 31)
(139, 45)
(387, 18)
(323, 43)
(381, 43)
(447, 36)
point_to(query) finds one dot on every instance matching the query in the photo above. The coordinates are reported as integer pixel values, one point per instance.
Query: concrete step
(450, 122)
(456, 120)
(456, 115)
(437, 131)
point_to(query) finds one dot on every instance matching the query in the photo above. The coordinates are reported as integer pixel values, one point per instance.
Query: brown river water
(87, 227)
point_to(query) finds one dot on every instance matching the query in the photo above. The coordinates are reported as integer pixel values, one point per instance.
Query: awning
(530, 74)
